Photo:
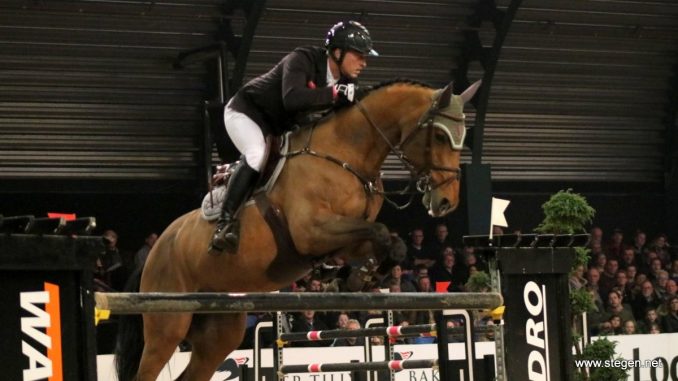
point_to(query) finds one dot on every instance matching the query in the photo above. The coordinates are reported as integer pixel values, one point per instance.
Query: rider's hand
(345, 92)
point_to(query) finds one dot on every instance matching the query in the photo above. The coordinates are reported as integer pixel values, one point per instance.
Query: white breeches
(246, 136)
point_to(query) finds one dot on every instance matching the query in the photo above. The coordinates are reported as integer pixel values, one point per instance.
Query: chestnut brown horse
(329, 192)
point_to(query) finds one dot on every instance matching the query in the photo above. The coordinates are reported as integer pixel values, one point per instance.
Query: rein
(420, 179)
(369, 186)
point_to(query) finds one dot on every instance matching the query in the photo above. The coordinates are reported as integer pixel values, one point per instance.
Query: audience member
(439, 242)
(342, 320)
(108, 271)
(596, 235)
(424, 284)
(303, 283)
(637, 285)
(305, 322)
(417, 253)
(592, 278)
(615, 246)
(609, 276)
(142, 253)
(351, 324)
(655, 328)
(661, 246)
(671, 289)
(660, 283)
(314, 285)
(639, 243)
(419, 271)
(631, 272)
(447, 270)
(655, 268)
(628, 258)
(647, 298)
(673, 270)
(622, 284)
(472, 260)
(596, 249)
(616, 324)
(397, 276)
(601, 261)
(488, 335)
(649, 317)
(645, 262)
(629, 327)
(669, 322)
(577, 279)
(615, 306)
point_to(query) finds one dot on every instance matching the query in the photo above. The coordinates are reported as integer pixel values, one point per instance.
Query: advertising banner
(39, 342)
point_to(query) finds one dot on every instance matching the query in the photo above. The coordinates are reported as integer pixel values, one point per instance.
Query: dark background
(97, 119)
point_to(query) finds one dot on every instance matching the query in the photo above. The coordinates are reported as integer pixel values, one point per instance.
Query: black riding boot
(239, 186)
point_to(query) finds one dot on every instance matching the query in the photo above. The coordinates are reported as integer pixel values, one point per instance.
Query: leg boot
(239, 187)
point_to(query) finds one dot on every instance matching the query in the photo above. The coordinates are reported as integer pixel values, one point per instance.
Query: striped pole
(395, 365)
(393, 331)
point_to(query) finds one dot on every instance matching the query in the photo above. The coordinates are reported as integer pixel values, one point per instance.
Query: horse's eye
(441, 137)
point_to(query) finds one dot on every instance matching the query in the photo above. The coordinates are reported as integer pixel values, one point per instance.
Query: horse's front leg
(355, 238)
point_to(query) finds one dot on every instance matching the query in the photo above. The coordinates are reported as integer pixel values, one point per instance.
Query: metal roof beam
(486, 10)
(671, 157)
(240, 46)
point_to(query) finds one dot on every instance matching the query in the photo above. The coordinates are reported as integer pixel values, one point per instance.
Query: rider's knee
(255, 158)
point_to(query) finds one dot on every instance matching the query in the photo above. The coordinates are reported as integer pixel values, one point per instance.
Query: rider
(308, 79)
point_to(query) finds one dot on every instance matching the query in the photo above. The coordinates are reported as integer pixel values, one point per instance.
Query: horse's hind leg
(162, 335)
(212, 338)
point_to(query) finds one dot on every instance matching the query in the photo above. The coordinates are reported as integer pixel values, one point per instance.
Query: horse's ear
(445, 97)
(471, 91)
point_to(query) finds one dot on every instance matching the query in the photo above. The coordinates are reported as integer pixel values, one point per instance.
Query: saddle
(276, 149)
(274, 154)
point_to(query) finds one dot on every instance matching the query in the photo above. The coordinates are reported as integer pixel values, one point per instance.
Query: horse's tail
(130, 341)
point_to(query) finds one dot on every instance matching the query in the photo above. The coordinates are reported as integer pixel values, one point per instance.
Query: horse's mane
(370, 89)
(399, 81)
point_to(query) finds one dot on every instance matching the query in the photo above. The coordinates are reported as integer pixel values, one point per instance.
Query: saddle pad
(211, 206)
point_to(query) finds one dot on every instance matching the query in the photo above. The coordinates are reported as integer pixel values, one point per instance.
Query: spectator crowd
(633, 283)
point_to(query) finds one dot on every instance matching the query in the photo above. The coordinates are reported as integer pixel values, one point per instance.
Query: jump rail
(392, 331)
(354, 366)
(209, 302)
(395, 331)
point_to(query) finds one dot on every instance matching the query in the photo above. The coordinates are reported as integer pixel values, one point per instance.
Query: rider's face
(353, 63)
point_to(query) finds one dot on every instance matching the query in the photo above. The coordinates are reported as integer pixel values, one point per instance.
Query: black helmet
(350, 35)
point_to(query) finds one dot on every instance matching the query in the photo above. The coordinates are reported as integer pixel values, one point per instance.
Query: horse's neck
(355, 138)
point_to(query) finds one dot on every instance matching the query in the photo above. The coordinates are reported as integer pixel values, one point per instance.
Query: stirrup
(224, 240)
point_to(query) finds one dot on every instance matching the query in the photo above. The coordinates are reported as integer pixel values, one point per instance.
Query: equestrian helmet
(350, 35)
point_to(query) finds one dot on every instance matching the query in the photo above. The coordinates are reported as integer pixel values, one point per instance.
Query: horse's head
(434, 149)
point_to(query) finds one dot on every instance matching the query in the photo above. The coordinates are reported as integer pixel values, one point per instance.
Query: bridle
(420, 179)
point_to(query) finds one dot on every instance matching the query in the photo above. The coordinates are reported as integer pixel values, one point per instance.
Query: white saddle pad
(211, 205)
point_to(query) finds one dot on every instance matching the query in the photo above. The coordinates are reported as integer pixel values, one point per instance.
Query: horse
(329, 192)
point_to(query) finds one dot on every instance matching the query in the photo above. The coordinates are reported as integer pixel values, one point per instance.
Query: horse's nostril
(444, 205)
